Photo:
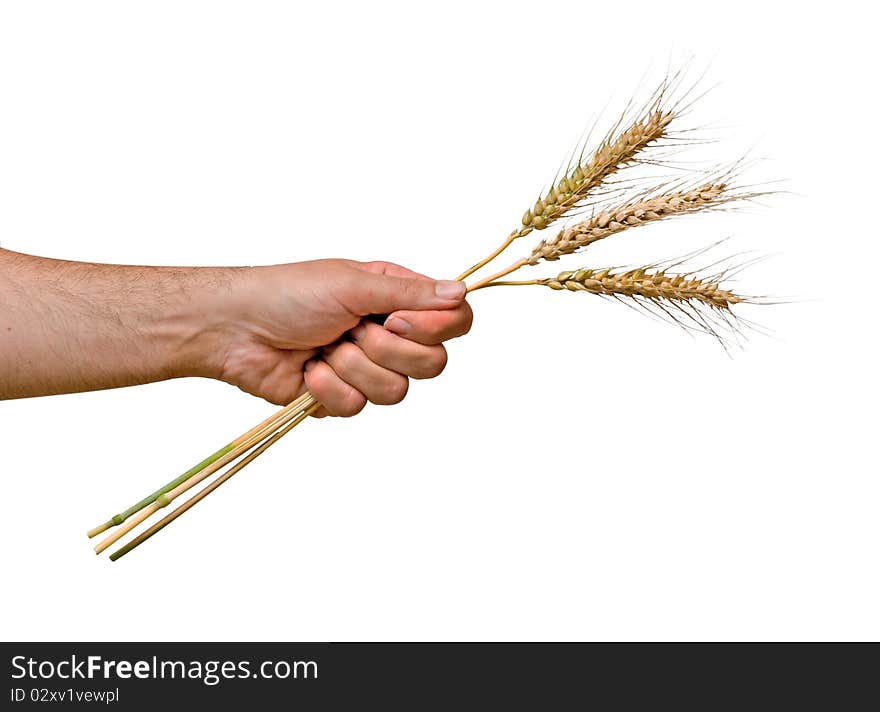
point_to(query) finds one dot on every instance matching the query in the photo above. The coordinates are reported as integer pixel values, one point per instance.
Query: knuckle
(380, 345)
(394, 391)
(434, 363)
(339, 399)
(440, 359)
(411, 289)
(435, 333)
(350, 404)
(403, 287)
(318, 380)
(460, 323)
(346, 356)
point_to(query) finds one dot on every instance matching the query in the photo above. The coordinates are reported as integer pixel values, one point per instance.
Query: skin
(272, 331)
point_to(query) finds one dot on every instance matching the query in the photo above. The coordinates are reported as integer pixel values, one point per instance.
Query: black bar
(412, 676)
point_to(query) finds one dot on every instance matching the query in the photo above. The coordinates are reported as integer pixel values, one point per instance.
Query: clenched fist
(301, 326)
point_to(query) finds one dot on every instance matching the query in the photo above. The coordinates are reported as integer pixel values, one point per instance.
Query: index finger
(433, 326)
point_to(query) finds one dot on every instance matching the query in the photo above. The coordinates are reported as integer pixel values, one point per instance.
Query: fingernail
(398, 325)
(448, 289)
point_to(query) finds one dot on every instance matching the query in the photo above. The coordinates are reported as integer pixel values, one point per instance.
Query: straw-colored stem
(482, 263)
(166, 498)
(146, 501)
(491, 278)
(506, 283)
(195, 499)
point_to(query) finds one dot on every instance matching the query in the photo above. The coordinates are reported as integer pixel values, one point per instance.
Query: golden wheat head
(616, 151)
(654, 285)
(632, 214)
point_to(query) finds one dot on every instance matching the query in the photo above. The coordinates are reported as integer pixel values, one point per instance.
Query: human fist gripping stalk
(272, 331)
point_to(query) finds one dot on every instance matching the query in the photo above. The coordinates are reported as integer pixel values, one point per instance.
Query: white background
(579, 471)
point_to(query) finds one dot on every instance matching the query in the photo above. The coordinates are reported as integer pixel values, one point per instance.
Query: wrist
(199, 325)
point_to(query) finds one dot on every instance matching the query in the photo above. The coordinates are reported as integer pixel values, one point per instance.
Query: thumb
(383, 294)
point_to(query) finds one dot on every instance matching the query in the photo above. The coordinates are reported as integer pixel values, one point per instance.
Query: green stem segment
(192, 501)
(146, 501)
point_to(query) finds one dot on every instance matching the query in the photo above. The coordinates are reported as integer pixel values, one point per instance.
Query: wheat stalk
(195, 499)
(281, 418)
(273, 420)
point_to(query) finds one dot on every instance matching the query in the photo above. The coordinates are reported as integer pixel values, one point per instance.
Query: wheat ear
(614, 153)
(617, 150)
(646, 283)
(692, 300)
(638, 212)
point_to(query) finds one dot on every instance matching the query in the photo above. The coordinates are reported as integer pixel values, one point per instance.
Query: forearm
(72, 326)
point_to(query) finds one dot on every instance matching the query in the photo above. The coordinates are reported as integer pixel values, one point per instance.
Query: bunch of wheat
(584, 187)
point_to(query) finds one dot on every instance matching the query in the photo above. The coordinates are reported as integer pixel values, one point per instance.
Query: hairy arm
(75, 326)
(272, 331)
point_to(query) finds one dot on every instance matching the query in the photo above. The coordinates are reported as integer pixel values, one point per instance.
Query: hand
(282, 332)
